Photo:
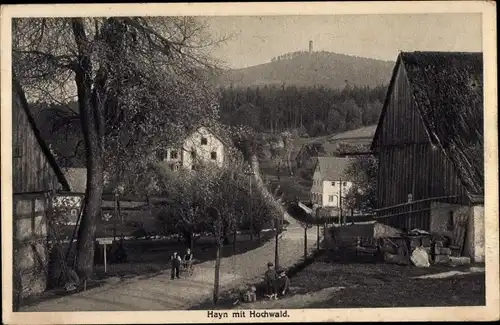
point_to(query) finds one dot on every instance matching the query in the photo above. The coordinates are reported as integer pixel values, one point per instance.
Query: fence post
(305, 241)
(317, 236)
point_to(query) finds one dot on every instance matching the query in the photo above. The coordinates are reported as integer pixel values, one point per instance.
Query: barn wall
(408, 162)
(31, 171)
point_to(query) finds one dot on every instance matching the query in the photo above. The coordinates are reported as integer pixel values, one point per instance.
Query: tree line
(314, 111)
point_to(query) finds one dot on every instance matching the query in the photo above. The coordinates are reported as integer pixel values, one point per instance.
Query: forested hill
(327, 69)
(312, 111)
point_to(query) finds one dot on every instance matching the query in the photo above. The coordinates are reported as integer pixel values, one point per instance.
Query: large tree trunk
(91, 117)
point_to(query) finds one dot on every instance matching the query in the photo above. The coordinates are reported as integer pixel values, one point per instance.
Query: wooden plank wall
(409, 163)
(31, 171)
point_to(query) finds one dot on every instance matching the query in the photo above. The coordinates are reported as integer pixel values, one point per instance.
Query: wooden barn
(35, 175)
(429, 142)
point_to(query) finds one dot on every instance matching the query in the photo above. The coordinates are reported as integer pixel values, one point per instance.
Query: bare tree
(140, 84)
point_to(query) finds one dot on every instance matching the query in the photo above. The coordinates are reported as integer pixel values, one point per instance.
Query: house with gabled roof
(329, 181)
(429, 143)
(204, 145)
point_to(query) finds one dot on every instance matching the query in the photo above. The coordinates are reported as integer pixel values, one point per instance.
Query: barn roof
(332, 168)
(448, 91)
(18, 91)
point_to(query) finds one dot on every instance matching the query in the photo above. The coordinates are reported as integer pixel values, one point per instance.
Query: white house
(203, 145)
(329, 182)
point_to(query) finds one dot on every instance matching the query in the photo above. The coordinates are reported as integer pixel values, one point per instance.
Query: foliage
(363, 171)
(314, 110)
(140, 84)
(193, 193)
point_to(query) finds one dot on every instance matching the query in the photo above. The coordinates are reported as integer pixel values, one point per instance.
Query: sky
(256, 39)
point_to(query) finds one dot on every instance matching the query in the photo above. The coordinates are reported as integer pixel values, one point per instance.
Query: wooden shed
(429, 142)
(35, 176)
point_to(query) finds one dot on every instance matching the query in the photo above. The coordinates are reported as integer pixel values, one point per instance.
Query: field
(385, 285)
(328, 282)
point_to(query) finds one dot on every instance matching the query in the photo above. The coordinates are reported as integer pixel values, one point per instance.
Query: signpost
(104, 242)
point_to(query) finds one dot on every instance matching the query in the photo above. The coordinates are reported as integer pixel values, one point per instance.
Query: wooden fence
(411, 215)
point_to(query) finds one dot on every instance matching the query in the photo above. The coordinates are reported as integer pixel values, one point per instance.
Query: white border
(487, 9)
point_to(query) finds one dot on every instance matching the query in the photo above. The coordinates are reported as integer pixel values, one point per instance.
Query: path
(161, 293)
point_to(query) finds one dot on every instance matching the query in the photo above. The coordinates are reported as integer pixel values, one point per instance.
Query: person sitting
(270, 277)
(283, 282)
(249, 295)
(188, 260)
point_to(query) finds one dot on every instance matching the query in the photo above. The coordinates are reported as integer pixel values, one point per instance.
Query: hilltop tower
(310, 46)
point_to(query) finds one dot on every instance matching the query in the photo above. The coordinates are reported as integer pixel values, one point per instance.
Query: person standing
(176, 265)
(271, 278)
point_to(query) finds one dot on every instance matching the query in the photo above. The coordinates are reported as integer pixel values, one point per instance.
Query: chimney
(310, 46)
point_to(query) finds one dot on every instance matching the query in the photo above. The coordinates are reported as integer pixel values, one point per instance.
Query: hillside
(306, 69)
(277, 157)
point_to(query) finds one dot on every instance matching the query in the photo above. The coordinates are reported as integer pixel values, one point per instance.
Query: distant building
(307, 157)
(202, 146)
(429, 143)
(329, 182)
(310, 46)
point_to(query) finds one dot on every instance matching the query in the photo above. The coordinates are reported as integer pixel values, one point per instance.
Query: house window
(173, 154)
(16, 152)
(333, 183)
(204, 141)
(345, 184)
(213, 155)
(330, 198)
(410, 197)
(160, 154)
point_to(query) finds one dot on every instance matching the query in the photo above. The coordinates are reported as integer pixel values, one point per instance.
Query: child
(283, 282)
(176, 265)
(271, 278)
(249, 295)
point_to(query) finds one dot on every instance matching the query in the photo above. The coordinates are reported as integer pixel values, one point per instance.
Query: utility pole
(216, 217)
(340, 203)
(276, 247)
(317, 227)
(279, 228)
(250, 173)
